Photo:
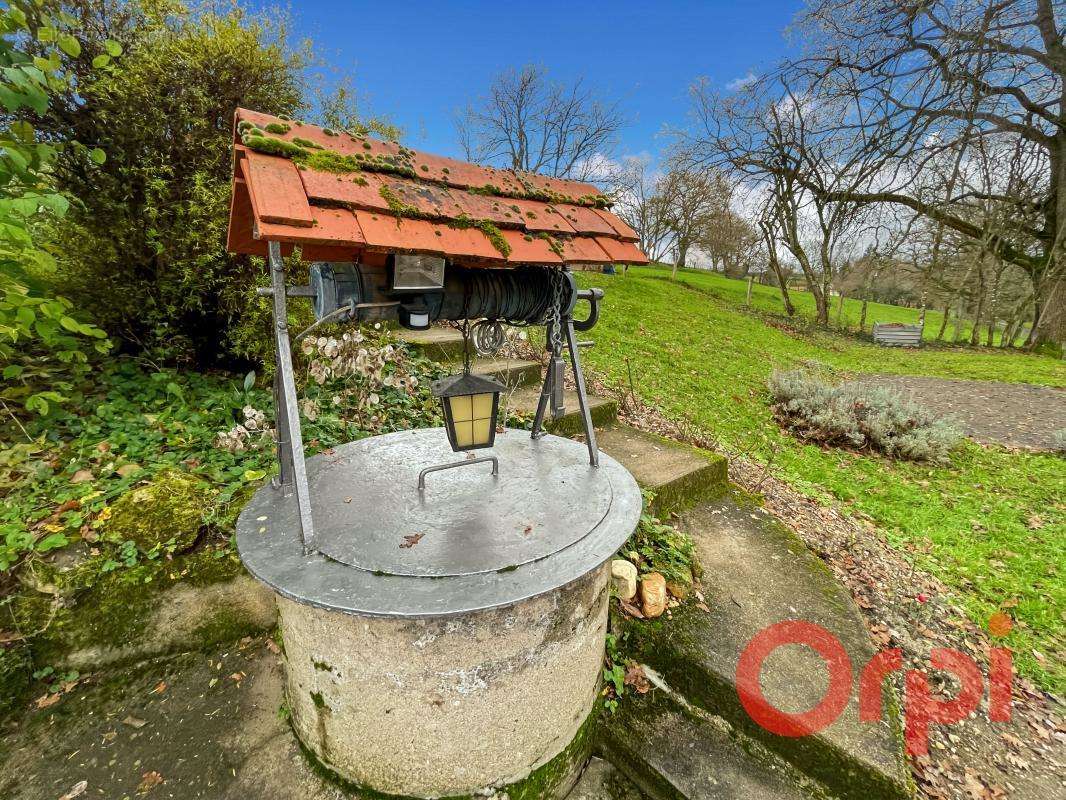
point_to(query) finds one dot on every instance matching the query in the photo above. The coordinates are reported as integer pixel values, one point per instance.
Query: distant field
(697, 353)
(768, 299)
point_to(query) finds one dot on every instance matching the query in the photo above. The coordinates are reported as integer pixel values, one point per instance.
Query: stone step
(440, 344)
(755, 573)
(524, 401)
(511, 372)
(601, 780)
(680, 476)
(672, 751)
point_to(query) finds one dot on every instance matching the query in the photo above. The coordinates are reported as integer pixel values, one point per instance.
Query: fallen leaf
(703, 607)
(134, 722)
(411, 540)
(272, 646)
(237, 677)
(128, 469)
(82, 476)
(149, 781)
(631, 609)
(636, 679)
(160, 687)
(77, 790)
(48, 700)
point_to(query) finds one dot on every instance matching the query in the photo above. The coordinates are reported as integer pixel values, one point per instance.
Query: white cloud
(742, 83)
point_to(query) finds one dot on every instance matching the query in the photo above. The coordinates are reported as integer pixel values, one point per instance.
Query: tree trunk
(679, 262)
(1049, 312)
(957, 331)
(747, 300)
(786, 299)
(1009, 329)
(944, 322)
(840, 307)
(975, 332)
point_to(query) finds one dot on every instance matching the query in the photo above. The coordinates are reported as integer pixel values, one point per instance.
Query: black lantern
(470, 403)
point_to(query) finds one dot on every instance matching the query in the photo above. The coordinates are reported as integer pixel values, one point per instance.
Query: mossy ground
(105, 611)
(170, 508)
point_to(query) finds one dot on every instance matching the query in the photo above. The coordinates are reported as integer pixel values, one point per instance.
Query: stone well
(445, 642)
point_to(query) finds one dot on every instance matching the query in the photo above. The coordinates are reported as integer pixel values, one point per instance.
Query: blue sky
(417, 62)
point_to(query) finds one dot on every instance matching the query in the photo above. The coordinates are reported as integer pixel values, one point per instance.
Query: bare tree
(695, 197)
(770, 137)
(528, 122)
(730, 242)
(910, 81)
(639, 203)
(770, 234)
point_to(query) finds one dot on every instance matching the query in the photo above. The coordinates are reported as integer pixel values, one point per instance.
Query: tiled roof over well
(340, 196)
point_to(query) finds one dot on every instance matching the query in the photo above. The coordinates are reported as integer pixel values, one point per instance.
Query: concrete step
(440, 344)
(601, 780)
(513, 373)
(524, 401)
(756, 572)
(673, 751)
(680, 476)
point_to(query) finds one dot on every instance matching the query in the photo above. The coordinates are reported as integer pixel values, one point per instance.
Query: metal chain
(555, 319)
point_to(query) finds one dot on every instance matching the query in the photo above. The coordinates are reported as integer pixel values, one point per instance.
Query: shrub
(1058, 441)
(859, 417)
(145, 243)
(44, 346)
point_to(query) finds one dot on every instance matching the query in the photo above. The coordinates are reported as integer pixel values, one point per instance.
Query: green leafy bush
(44, 346)
(138, 426)
(145, 242)
(859, 417)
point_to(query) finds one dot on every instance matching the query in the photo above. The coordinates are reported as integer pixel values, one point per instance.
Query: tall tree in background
(144, 244)
(696, 198)
(770, 139)
(636, 190)
(528, 122)
(910, 81)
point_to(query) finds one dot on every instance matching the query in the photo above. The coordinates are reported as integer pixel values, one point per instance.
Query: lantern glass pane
(461, 408)
(464, 434)
(482, 430)
(482, 405)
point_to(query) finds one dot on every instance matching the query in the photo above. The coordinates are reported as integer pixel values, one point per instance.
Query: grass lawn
(768, 299)
(990, 525)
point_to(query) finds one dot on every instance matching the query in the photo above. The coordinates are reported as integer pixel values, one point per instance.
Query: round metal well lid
(268, 530)
(370, 514)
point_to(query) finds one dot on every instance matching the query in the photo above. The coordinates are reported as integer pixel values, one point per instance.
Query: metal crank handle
(593, 296)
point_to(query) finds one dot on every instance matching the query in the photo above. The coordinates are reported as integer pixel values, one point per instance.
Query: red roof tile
(340, 196)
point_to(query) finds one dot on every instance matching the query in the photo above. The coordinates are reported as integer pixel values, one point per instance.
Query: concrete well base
(451, 706)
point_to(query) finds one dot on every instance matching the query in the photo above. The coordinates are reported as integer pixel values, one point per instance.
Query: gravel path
(1012, 414)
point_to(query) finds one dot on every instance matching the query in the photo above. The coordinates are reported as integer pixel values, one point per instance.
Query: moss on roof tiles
(314, 156)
